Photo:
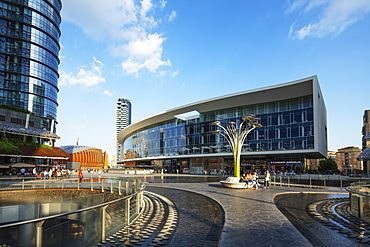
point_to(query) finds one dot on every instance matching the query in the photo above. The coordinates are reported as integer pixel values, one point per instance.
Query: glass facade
(29, 37)
(287, 125)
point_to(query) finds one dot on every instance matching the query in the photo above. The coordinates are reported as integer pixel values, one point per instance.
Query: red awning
(37, 152)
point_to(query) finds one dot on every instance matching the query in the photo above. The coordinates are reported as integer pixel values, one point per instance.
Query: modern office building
(123, 119)
(29, 48)
(294, 129)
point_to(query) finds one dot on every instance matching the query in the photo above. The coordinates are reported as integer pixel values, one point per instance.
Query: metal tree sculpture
(236, 137)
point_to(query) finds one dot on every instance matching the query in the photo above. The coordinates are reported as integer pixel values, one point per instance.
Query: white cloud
(146, 5)
(335, 16)
(162, 73)
(174, 74)
(78, 127)
(106, 92)
(172, 16)
(145, 53)
(101, 19)
(127, 28)
(162, 3)
(84, 78)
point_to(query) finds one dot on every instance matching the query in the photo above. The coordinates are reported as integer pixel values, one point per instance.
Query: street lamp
(236, 137)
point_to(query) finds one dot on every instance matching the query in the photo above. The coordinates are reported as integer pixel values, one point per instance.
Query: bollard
(102, 228)
(310, 182)
(39, 228)
(91, 184)
(127, 211)
(111, 186)
(119, 187)
(137, 206)
(281, 182)
(22, 184)
(127, 187)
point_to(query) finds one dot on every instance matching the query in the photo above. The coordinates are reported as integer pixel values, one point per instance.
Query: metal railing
(315, 180)
(122, 203)
(359, 194)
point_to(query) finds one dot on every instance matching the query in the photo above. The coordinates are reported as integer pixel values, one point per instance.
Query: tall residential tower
(123, 119)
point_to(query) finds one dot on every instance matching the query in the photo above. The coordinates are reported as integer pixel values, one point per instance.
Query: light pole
(236, 137)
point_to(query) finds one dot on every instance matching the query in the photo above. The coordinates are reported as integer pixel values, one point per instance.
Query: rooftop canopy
(364, 155)
(15, 129)
(367, 137)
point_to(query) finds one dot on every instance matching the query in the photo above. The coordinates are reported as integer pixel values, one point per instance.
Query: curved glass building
(29, 48)
(294, 129)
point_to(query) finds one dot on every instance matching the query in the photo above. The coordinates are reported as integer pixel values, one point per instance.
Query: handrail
(132, 212)
(359, 200)
(357, 192)
(71, 212)
(24, 183)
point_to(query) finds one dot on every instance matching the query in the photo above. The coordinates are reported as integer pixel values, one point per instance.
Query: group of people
(52, 173)
(251, 180)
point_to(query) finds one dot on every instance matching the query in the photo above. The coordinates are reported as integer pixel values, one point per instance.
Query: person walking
(255, 180)
(34, 172)
(267, 179)
(80, 175)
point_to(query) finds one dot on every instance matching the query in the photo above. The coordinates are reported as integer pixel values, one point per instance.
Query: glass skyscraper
(29, 48)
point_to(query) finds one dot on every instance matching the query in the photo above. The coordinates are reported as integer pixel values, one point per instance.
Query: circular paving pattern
(172, 217)
(334, 213)
(154, 227)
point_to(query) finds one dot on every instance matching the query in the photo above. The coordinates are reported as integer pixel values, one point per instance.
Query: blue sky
(164, 54)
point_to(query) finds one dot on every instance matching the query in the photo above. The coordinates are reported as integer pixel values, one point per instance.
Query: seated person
(249, 178)
(254, 179)
(243, 178)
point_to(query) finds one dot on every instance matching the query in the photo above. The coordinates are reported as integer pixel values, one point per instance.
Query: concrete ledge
(233, 182)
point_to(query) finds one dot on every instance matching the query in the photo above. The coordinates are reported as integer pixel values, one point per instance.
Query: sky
(168, 53)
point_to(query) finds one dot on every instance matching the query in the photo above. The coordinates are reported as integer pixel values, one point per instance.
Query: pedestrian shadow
(215, 185)
(237, 196)
(192, 209)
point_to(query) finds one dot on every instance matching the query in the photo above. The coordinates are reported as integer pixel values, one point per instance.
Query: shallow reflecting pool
(180, 179)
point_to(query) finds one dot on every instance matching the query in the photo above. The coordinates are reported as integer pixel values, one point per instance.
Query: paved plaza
(252, 217)
(196, 210)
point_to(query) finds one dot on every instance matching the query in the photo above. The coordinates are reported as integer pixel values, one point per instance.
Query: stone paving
(200, 219)
(279, 216)
(251, 216)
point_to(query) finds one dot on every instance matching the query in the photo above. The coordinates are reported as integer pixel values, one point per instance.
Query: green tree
(328, 166)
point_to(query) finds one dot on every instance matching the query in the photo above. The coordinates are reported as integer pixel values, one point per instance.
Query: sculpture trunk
(237, 153)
